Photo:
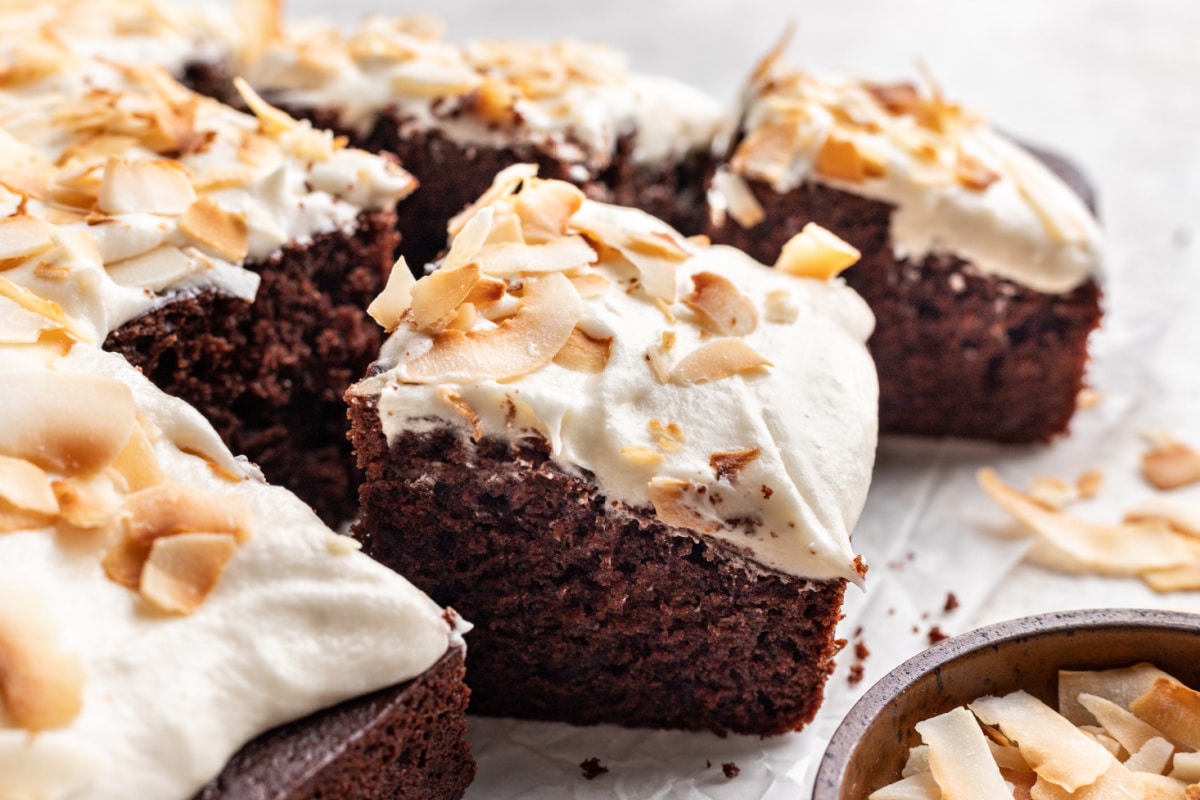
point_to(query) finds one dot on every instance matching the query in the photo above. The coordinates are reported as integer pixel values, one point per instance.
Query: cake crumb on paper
(592, 768)
(731, 770)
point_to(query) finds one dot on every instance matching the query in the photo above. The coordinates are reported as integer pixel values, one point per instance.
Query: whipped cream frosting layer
(298, 621)
(773, 461)
(572, 99)
(152, 190)
(959, 186)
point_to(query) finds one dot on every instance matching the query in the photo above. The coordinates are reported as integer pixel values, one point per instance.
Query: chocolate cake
(161, 607)
(456, 115)
(980, 265)
(600, 441)
(233, 256)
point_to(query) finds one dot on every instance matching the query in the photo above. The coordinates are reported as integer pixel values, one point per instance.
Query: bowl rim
(887, 689)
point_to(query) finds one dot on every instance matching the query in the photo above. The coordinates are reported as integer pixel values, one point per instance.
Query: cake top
(739, 402)
(159, 604)
(119, 186)
(573, 100)
(170, 34)
(958, 185)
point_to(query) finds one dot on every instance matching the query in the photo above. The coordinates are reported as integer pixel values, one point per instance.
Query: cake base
(453, 175)
(407, 742)
(960, 352)
(587, 611)
(270, 375)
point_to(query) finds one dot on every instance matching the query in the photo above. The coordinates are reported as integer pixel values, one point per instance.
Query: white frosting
(812, 415)
(1025, 225)
(287, 188)
(295, 624)
(571, 99)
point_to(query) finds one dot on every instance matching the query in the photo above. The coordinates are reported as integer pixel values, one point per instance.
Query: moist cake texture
(599, 436)
(981, 266)
(230, 257)
(457, 114)
(162, 606)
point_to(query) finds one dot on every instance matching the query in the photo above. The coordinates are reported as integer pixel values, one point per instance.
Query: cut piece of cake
(981, 266)
(230, 258)
(631, 459)
(456, 115)
(161, 606)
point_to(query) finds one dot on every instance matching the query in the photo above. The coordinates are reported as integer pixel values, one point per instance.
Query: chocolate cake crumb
(951, 602)
(856, 674)
(731, 770)
(860, 651)
(936, 635)
(707, 764)
(592, 768)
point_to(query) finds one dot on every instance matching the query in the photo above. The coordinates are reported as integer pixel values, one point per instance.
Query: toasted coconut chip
(591, 285)
(23, 237)
(181, 571)
(505, 183)
(1152, 757)
(89, 503)
(582, 353)
(169, 509)
(669, 437)
(918, 761)
(470, 239)
(1119, 686)
(136, 465)
(396, 297)
(1173, 709)
(1160, 787)
(1097, 735)
(440, 293)
(419, 78)
(261, 24)
(972, 172)
(1008, 757)
(721, 358)
(920, 786)
(1055, 749)
(1186, 767)
(558, 255)
(486, 291)
(123, 562)
(780, 307)
(518, 345)
(271, 120)
(221, 232)
(545, 207)
(506, 226)
(464, 318)
(1192, 792)
(840, 158)
(26, 487)
(1171, 466)
(1088, 398)
(42, 420)
(730, 192)
(1052, 492)
(1089, 483)
(641, 455)
(160, 268)
(656, 357)
(1117, 783)
(41, 686)
(728, 464)
(1109, 549)
(656, 272)
(1124, 726)
(721, 307)
(676, 503)
(658, 243)
(959, 757)
(769, 149)
(1180, 516)
(816, 253)
(146, 186)
(37, 305)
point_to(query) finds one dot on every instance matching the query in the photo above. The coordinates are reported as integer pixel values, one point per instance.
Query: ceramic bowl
(869, 748)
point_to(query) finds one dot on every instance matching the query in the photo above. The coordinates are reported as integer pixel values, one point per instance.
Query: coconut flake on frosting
(659, 365)
(959, 186)
(575, 100)
(177, 617)
(131, 189)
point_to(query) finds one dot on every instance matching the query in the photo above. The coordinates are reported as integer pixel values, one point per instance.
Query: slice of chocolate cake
(230, 258)
(160, 607)
(631, 459)
(981, 266)
(457, 114)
